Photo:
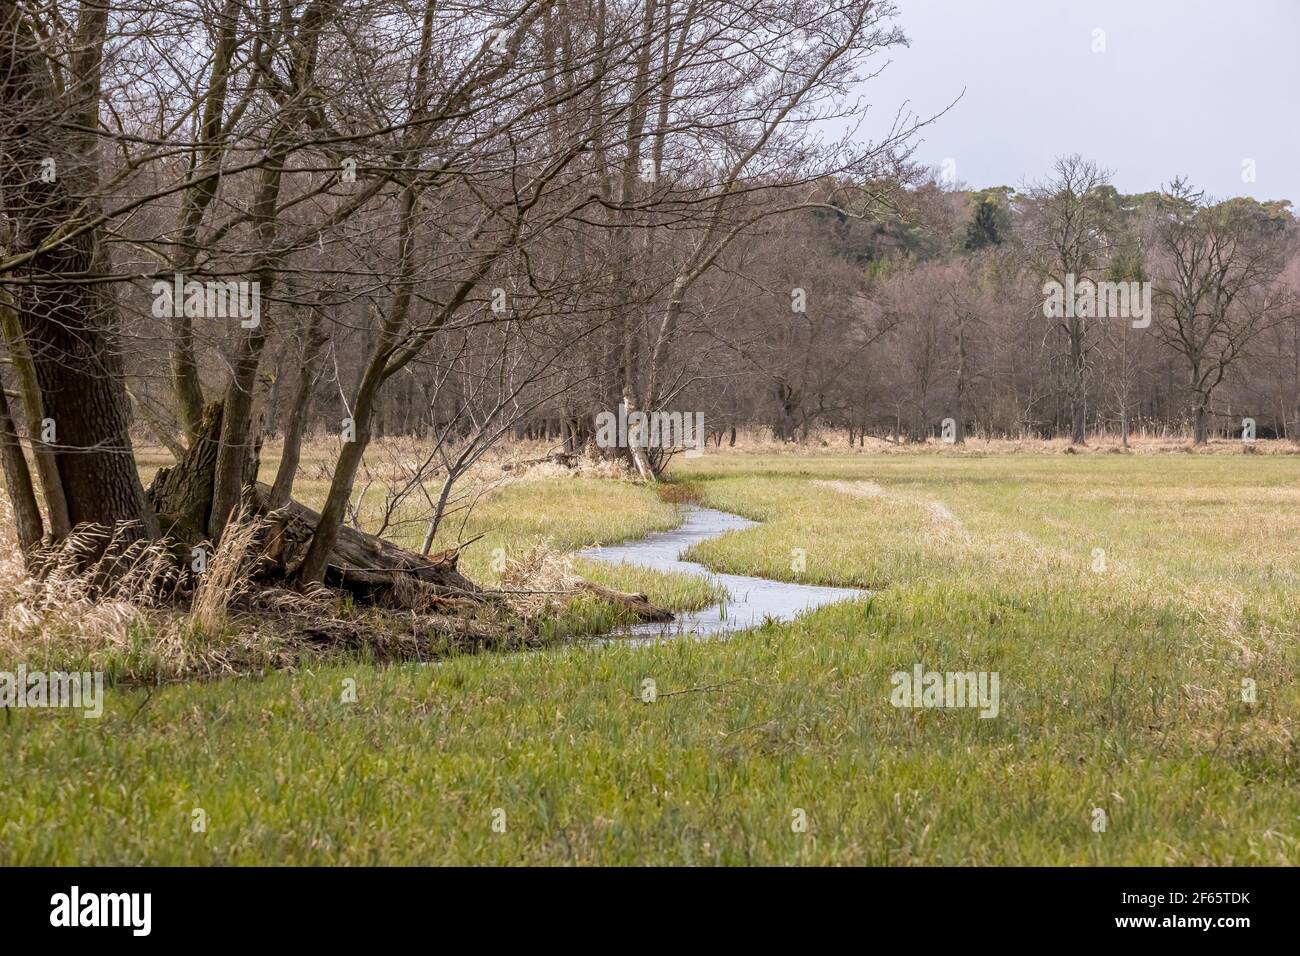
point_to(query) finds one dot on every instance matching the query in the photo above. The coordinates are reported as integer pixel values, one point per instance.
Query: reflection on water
(752, 599)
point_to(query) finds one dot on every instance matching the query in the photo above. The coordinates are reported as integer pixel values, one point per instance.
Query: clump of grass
(134, 611)
(96, 563)
(538, 581)
(94, 602)
(93, 599)
(227, 574)
(679, 491)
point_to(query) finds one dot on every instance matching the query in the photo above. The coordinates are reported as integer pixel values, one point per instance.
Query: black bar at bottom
(1217, 906)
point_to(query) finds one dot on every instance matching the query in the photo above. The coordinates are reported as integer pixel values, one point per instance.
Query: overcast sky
(1190, 87)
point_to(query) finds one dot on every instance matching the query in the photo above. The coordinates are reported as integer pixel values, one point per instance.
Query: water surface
(751, 599)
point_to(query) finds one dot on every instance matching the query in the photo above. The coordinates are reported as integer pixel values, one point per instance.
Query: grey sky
(1190, 87)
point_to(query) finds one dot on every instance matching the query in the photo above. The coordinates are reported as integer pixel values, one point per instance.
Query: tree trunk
(1078, 430)
(18, 481)
(372, 570)
(634, 448)
(195, 201)
(56, 506)
(70, 328)
(316, 560)
(237, 434)
(296, 422)
(1078, 396)
(234, 449)
(637, 603)
(182, 495)
(959, 419)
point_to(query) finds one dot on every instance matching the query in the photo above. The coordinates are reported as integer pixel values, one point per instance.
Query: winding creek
(751, 599)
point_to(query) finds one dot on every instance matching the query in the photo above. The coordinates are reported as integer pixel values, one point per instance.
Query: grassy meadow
(1124, 600)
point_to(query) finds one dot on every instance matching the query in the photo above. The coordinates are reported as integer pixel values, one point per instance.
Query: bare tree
(1216, 285)
(1067, 243)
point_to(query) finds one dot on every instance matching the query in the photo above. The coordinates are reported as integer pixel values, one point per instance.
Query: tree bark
(959, 438)
(70, 328)
(328, 528)
(182, 495)
(18, 481)
(295, 424)
(1078, 408)
(56, 506)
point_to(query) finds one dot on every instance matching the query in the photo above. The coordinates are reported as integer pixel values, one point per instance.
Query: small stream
(752, 599)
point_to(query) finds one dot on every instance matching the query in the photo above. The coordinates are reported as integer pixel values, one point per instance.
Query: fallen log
(638, 604)
(371, 569)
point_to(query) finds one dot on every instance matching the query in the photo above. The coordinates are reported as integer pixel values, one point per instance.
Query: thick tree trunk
(959, 419)
(373, 570)
(1078, 424)
(1078, 392)
(70, 328)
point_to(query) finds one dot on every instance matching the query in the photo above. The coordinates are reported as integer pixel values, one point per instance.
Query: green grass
(1120, 691)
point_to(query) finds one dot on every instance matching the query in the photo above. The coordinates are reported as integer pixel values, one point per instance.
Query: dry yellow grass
(226, 574)
(824, 441)
(538, 580)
